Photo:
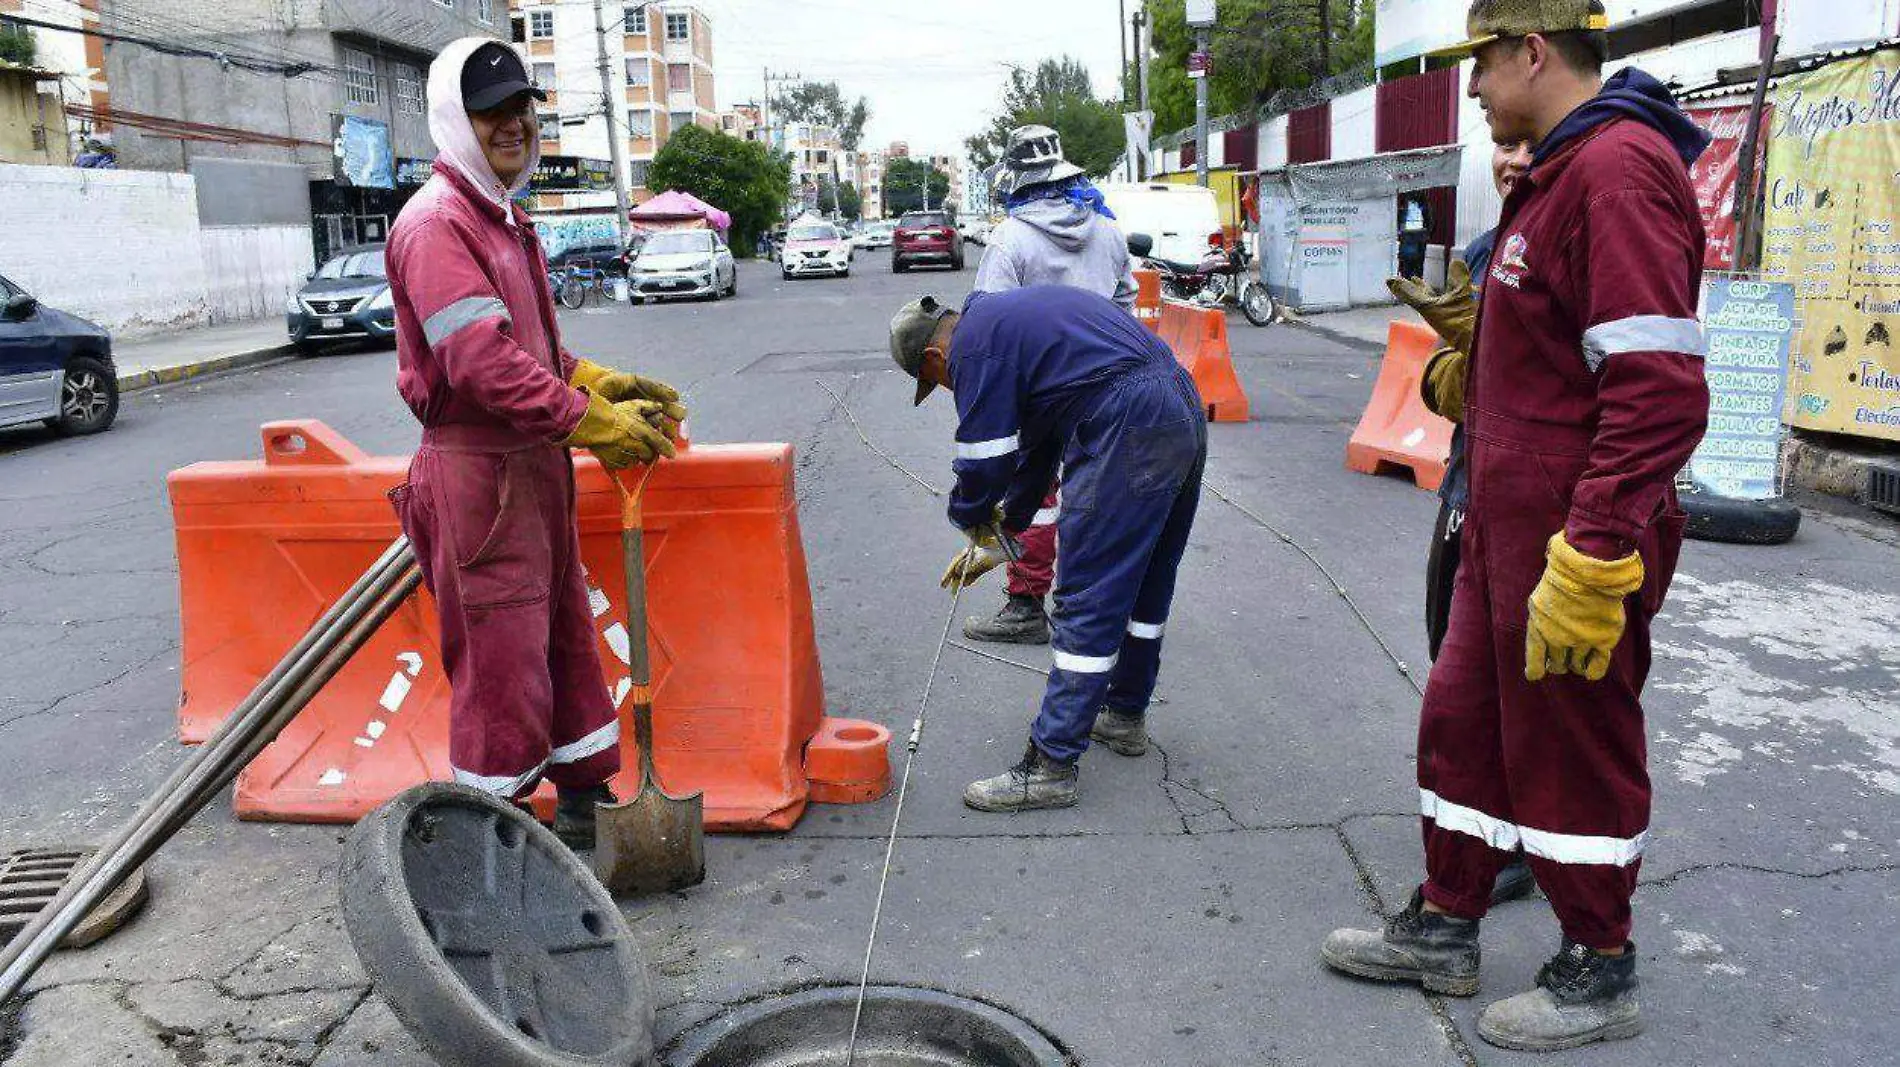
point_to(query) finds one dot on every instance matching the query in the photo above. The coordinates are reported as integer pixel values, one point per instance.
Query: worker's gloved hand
(620, 435)
(617, 386)
(1453, 313)
(983, 554)
(1576, 612)
(1443, 387)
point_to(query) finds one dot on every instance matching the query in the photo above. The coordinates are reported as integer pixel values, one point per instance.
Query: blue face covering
(1077, 190)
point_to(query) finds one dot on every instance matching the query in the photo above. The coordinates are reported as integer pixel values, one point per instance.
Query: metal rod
(897, 817)
(256, 720)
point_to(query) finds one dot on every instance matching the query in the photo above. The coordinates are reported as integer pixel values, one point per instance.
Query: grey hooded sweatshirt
(1058, 242)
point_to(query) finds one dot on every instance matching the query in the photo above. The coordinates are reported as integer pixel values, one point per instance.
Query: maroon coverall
(489, 501)
(1586, 397)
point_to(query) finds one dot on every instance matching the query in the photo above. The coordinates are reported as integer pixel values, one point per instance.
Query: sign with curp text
(1748, 326)
(1832, 230)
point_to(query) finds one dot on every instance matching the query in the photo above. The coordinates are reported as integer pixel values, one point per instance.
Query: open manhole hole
(30, 879)
(902, 1027)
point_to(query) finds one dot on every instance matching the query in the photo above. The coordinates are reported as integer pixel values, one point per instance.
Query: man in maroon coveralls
(1586, 396)
(489, 502)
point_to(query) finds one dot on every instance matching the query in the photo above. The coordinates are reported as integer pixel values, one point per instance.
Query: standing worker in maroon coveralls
(489, 502)
(1586, 397)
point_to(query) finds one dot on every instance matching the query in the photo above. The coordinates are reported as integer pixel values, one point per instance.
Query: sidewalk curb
(146, 379)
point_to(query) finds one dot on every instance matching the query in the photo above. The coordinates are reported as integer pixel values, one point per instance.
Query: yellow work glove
(1453, 313)
(983, 554)
(1443, 387)
(1577, 612)
(617, 386)
(623, 434)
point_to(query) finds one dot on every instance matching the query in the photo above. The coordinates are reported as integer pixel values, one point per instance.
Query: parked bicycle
(573, 284)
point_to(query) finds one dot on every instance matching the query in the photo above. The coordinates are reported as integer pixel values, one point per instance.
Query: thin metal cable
(897, 817)
(885, 456)
(1021, 666)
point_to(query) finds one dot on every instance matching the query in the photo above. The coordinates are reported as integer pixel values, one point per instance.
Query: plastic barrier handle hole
(527, 1028)
(290, 444)
(590, 921)
(508, 833)
(857, 734)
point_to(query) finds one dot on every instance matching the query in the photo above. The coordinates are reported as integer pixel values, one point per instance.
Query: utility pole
(1121, 20)
(1200, 112)
(765, 112)
(1141, 79)
(615, 146)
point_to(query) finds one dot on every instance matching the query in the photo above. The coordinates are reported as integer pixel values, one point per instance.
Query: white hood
(454, 134)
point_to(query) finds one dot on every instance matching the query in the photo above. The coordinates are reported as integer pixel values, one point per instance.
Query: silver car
(681, 263)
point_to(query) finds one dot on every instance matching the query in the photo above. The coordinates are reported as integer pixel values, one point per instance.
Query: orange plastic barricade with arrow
(1198, 336)
(264, 546)
(1397, 431)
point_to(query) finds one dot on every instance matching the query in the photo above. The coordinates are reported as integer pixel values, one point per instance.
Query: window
(359, 77)
(679, 78)
(679, 26)
(637, 20)
(540, 25)
(544, 75)
(550, 123)
(39, 138)
(640, 125)
(823, 157)
(639, 73)
(485, 10)
(517, 30)
(637, 173)
(679, 120)
(409, 98)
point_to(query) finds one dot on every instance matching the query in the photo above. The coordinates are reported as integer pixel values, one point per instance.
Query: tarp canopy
(1367, 178)
(674, 206)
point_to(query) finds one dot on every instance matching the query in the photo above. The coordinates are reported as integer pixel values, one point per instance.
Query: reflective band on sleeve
(1641, 333)
(1002, 446)
(1580, 849)
(599, 741)
(464, 312)
(1068, 661)
(501, 785)
(1046, 517)
(1149, 631)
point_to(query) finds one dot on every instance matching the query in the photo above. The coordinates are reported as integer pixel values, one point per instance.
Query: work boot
(1037, 782)
(1121, 732)
(574, 814)
(1514, 881)
(1581, 996)
(1021, 622)
(1439, 952)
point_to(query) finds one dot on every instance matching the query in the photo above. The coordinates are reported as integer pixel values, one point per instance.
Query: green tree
(739, 177)
(904, 180)
(17, 44)
(850, 201)
(1057, 94)
(1259, 48)
(823, 103)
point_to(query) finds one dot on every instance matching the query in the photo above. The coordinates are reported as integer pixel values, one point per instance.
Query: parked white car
(681, 263)
(874, 234)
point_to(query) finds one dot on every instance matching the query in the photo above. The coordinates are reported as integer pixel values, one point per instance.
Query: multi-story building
(867, 173)
(247, 87)
(660, 74)
(744, 121)
(952, 167)
(76, 62)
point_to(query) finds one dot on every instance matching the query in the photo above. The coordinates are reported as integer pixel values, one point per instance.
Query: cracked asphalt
(1173, 916)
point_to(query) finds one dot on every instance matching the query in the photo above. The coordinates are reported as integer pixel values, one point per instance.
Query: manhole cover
(31, 878)
(902, 1027)
(491, 943)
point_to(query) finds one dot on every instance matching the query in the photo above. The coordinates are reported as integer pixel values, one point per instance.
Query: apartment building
(744, 121)
(866, 170)
(660, 74)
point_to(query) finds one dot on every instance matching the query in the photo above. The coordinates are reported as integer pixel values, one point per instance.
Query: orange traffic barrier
(1198, 336)
(1397, 431)
(1148, 298)
(264, 547)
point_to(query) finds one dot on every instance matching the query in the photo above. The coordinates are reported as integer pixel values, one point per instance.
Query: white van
(1180, 218)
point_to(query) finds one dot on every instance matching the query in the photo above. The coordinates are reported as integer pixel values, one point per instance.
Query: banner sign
(1832, 230)
(1716, 173)
(1749, 326)
(572, 174)
(364, 156)
(413, 171)
(1199, 64)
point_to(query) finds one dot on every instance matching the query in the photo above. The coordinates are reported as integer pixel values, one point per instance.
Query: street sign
(1200, 64)
(1200, 12)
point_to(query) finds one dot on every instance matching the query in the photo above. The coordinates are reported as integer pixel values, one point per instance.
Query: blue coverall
(1049, 375)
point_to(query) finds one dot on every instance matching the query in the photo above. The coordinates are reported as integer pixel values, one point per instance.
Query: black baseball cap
(492, 74)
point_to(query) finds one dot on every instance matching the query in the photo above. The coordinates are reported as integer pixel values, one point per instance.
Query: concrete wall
(240, 192)
(126, 249)
(1273, 143)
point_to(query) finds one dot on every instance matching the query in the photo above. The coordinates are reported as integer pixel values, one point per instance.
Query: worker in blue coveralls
(1048, 376)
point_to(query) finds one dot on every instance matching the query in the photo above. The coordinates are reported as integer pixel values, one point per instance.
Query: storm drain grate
(1883, 488)
(31, 878)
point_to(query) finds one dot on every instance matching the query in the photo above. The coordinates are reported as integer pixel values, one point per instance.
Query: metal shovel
(652, 841)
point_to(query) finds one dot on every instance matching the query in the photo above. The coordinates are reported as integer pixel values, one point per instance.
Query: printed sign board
(364, 156)
(1748, 326)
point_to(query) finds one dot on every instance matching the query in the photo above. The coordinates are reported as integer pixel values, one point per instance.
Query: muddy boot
(574, 814)
(1514, 881)
(1021, 622)
(1581, 996)
(1439, 952)
(1036, 782)
(1121, 732)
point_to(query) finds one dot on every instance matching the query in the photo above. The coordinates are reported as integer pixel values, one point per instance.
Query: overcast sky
(933, 72)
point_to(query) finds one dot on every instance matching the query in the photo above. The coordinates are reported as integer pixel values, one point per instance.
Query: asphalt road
(1171, 918)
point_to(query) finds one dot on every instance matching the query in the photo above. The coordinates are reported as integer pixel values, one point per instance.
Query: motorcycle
(1220, 277)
